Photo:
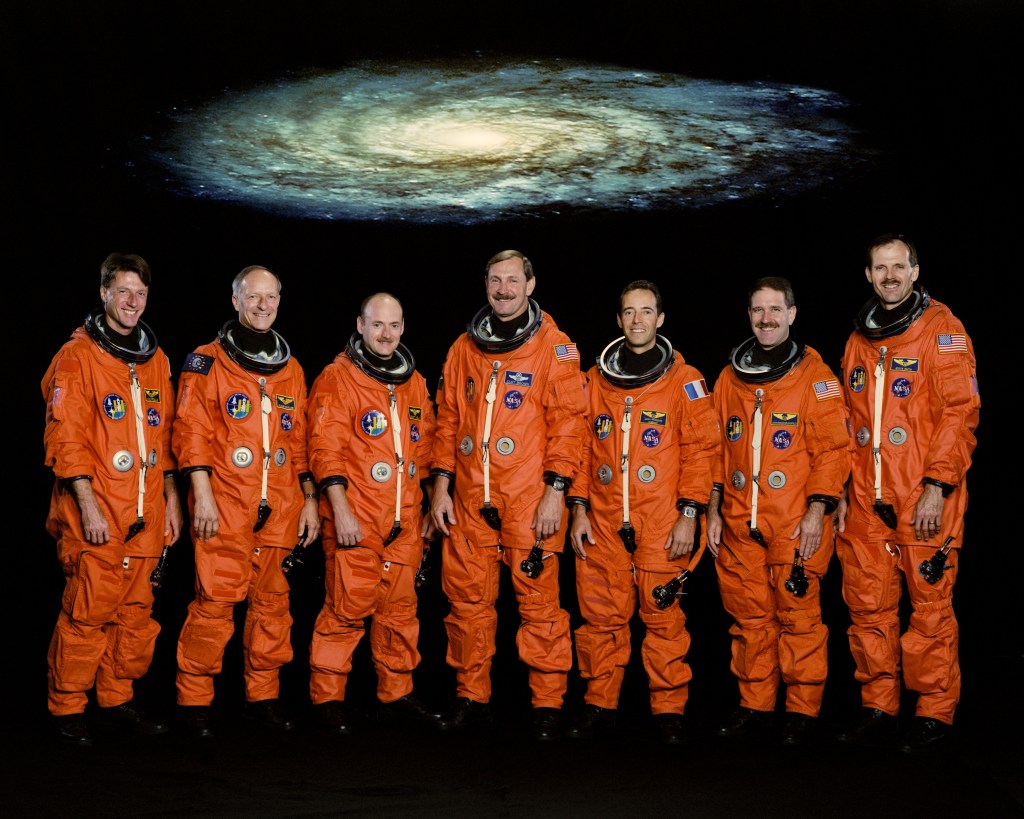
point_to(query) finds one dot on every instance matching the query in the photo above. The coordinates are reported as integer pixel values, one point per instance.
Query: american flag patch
(952, 342)
(567, 352)
(826, 389)
(696, 389)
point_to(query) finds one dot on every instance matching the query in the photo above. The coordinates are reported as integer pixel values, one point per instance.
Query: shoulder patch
(951, 342)
(826, 389)
(567, 352)
(696, 389)
(197, 363)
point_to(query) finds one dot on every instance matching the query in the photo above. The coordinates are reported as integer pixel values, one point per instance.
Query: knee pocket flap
(755, 653)
(77, 660)
(874, 654)
(929, 662)
(395, 649)
(546, 646)
(94, 595)
(599, 651)
(268, 639)
(332, 653)
(133, 649)
(201, 647)
(469, 643)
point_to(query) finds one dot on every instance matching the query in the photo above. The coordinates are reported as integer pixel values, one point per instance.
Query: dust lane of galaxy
(468, 142)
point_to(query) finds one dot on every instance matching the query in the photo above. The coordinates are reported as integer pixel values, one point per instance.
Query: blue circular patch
(734, 428)
(374, 423)
(414, 432)
(650, 437)
(513, 399)
(603, 426)
(286, 421)
(238, 406)
(901, 388)
(153, 417)
(114, 406)
(782, 439)
(858, 379)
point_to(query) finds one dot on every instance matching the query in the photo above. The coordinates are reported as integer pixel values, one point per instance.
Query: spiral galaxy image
(474, 141)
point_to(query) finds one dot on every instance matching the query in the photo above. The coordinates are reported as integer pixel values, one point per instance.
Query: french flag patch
(696, 389)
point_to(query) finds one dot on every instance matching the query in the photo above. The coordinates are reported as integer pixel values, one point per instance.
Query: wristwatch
(556, 481)
(689, 511)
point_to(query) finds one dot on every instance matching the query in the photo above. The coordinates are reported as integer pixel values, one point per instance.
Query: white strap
(755, 445)
(485, 444)
(266, 410)
(140, 434)
(396, 434)
(876, 411)
(624, 466)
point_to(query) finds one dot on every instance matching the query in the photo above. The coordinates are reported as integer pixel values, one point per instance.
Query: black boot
(269, 714)
(334, 717)
(130, 717)
(409, 708)
(745, 723)
(925, 735)
(466, 713)
(195, 719)
(874, 728)
(72, 729)
(594, 722)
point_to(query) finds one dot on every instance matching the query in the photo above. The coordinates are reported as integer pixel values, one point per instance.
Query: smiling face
(381, 325)
(258, 298)
(639, 319)
(124, 301)
(770, 318)
(891, 274)
(508, 289)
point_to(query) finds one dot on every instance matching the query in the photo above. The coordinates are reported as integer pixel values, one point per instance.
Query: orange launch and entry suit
(228, 404)
(785, 430)
(371, 431)
(912, 390)
(673, 441)
(109, 413)
(531, 390)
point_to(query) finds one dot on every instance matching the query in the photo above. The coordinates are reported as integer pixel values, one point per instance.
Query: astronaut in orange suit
(645, 478)
(371, 427)
(910, 380)
(783, 468)
(509, 433)
(240, 437)
(109, 411)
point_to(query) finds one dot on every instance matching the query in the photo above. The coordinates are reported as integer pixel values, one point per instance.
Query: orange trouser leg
(469, 578)
(931, 664)
(351, 577)
(871, 589)
(665, 646)
(105, 634)
(803, 643)
(543, 639)
(131, 637)
(746, 589)
(395, 632)
(607, 599)
(223, 575)
(266, 636)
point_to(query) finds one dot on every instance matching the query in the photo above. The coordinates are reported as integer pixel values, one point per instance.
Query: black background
(935, 84)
